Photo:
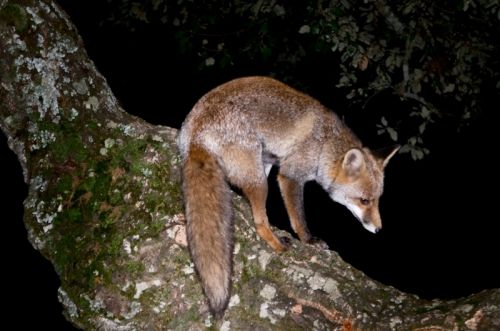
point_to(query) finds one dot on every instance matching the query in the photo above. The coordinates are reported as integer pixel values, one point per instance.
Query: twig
(332, 314)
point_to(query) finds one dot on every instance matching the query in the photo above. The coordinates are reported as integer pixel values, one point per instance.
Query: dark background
(441, 224)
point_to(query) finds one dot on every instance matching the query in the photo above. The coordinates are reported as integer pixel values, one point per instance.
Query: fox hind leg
(247, 170)
(257, 195)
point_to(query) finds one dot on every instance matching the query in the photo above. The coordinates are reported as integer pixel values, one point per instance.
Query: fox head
(358, 183)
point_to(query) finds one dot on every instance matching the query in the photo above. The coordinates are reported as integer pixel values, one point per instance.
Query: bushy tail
(208, 207)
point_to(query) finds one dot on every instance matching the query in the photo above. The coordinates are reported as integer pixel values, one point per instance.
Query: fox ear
(383, 155)
(353, 162)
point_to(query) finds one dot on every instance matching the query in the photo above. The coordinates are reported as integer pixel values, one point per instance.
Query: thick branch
(105, 208)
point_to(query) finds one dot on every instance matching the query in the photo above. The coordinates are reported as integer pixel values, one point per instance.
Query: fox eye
(364, 202)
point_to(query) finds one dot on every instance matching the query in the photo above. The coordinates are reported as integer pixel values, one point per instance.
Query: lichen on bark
(104, 206)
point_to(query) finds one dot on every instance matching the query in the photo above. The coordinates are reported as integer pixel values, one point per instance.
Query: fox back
(234, 135)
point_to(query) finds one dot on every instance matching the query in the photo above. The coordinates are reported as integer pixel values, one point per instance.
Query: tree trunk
(104, 206)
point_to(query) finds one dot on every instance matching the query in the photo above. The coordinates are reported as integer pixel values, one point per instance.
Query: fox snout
(367, 215)
(369, 218)
(371, 226)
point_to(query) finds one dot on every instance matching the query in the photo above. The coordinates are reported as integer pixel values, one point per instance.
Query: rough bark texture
(104, 206)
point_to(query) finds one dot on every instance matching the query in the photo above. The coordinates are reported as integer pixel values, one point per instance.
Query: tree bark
(104, 206)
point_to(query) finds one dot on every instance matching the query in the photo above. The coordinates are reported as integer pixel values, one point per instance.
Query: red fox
(234, 135)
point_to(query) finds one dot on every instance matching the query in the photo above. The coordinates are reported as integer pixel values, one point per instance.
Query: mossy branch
(104, 206)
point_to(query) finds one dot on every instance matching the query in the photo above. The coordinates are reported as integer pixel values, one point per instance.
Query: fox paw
(285, 243)
(318, 243)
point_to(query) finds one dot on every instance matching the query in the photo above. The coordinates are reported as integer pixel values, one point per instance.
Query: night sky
(441, 225)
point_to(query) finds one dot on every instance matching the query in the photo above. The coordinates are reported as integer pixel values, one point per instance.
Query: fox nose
(371, 227)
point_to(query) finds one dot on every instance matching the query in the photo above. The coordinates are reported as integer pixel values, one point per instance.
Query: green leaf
(384, 121)
(421, 127)
(392, 133)
(417, 154)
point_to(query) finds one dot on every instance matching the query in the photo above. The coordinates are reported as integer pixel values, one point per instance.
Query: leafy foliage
(436, 57)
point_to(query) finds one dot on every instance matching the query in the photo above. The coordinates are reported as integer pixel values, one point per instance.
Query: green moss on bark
(15, 15)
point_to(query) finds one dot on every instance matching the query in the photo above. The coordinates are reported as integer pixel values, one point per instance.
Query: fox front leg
(292, 192)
